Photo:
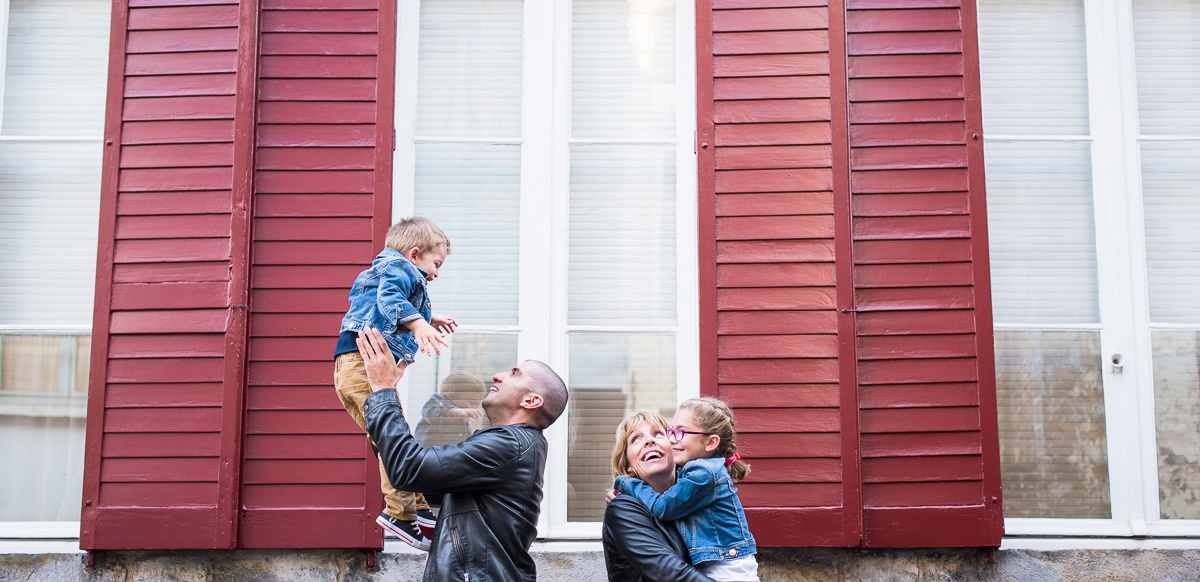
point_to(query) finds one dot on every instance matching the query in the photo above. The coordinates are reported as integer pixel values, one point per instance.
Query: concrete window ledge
(583, 562)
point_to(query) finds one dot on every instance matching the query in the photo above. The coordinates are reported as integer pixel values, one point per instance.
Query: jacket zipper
(462, 561)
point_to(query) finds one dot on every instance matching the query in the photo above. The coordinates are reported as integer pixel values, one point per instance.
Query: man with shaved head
(490, 484)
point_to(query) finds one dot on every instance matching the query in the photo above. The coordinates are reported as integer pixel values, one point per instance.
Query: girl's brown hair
(713, 415)
(620, 458)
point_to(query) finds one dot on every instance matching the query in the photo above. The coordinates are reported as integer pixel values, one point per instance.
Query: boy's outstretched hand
(443, 323)
(382, 371)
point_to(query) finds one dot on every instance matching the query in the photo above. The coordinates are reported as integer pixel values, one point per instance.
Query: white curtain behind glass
(468, 157)
(469, 82)
(622, 255)
(1033, 62)
(50, 190)
(1041, 223)
(54, 88)
(1167, 48)
(1041, 232)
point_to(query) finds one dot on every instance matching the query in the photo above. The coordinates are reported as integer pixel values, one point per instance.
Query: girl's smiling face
(694, 444)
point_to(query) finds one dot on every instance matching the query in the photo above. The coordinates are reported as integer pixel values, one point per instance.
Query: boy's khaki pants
(350, 379)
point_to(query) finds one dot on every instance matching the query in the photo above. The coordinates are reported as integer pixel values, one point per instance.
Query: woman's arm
(638, 547)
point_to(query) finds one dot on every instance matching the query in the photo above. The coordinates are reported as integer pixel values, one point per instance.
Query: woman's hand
(382, 370)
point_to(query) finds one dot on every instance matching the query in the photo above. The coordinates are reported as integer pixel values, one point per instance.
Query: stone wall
(776, 565)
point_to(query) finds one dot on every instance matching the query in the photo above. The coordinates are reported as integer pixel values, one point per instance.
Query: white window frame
(34, 530)
(1123, 291)
(545, 142)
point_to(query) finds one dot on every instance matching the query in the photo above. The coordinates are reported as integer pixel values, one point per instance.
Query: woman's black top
(640, 548)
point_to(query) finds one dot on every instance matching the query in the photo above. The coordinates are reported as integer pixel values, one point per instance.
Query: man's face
(507, 389)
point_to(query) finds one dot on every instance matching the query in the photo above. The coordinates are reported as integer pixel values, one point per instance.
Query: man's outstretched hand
(382, 371)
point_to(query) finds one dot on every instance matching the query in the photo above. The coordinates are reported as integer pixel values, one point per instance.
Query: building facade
(778, 203)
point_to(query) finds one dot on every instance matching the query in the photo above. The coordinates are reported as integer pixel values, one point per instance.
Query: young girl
(703, 503)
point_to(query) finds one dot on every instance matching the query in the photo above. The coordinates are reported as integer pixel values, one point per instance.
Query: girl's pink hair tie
(731, 460)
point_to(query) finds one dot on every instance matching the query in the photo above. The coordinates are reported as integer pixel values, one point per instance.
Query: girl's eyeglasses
(676, 433)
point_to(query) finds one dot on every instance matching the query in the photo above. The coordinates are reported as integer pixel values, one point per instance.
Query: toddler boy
(392, 296)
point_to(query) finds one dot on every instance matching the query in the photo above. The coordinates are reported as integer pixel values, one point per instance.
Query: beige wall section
(791, 565)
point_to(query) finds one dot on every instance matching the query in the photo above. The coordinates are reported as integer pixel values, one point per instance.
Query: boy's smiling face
(429, 262)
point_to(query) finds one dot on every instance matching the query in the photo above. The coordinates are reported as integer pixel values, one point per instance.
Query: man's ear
(531, 401)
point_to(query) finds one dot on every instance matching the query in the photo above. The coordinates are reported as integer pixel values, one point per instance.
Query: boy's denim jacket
(705, 507)
(387, 295)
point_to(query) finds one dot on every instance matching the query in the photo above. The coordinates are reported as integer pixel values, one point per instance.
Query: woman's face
(649, 452)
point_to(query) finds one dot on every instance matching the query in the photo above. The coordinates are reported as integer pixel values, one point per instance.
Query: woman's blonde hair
(714, 416)
(620, 457)
(417, 231)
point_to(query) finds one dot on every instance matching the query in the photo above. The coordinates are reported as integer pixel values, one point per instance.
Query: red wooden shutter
(780, 347)
(930, 443)
(322, 206)
(844, 307)
(165, 398)
(197, 438)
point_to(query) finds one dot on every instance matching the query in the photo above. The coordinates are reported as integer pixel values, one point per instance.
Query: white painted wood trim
(4, 8)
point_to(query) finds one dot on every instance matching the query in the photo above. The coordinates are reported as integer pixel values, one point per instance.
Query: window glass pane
(43, 400)
(1041, 232)
(1171, 195)
(1176, 414)
(1167, 48)
(612, 375)
(55, 77)
(622, 255)
(472, 191)
(49, 215)
(1033, 67)
(1052, 428)
(623, 69)
(470, 68)
(444, 391)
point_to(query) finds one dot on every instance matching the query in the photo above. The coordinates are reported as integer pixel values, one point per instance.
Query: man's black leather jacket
(640, 548)
(491, 485)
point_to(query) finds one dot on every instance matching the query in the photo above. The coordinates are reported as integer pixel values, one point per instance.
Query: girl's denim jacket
(387, 295)
(705, 507)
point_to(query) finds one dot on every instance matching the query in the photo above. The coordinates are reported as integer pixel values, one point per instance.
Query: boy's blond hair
(417, 231)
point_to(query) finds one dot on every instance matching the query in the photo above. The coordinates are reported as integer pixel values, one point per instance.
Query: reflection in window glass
(1052, 429)
(43, 400)
(1176, 410)
(444, 391)
(612, 376)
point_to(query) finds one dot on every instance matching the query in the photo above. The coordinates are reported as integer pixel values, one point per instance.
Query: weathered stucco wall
(791, 565)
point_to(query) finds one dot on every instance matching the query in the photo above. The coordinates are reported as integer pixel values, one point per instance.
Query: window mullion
(1108, 75)
(536, 242)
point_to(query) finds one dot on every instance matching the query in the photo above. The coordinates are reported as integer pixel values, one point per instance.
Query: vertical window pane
(623, 69)
(472, 192)
(1171, 195)
(1042, 233)
(56, 70)
(1033, 65)
(612, 375)
(1052, 428)
(1176, 413)
(444, 388)
(49, 212)
(622, 255)
(43, 400)
(470, 68)
(1167, 48)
